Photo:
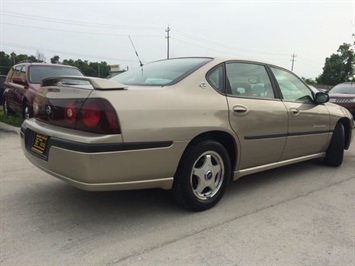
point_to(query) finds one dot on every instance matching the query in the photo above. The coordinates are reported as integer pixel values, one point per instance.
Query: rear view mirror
(321, 97)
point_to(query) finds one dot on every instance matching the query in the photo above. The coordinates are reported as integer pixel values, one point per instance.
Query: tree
(94, 69)
(5, 63)
(55, 59)
(338, 67)
(40, 57)
(309, 81)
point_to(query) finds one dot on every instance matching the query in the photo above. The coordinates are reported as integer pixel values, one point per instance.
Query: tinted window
(163, 72)
(292, 88)
(249, 80)
(37, 73)
(343, 88)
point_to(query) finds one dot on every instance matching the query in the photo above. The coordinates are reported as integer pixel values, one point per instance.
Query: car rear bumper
(105, 166)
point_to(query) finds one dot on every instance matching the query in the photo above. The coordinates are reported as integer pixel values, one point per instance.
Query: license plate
(39, 143)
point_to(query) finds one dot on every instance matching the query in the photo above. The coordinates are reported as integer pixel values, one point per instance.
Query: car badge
(48, 110)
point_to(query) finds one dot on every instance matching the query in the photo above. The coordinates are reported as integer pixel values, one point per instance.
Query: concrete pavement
(302, 214)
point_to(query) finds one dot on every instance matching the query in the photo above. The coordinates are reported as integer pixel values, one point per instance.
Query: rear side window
(161, 73)
(248, 80)
(19, 72)
(216, 78)
(10, 74)
(37, 73)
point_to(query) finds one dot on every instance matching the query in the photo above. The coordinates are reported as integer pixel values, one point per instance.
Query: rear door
(258, 118)
(309, 123)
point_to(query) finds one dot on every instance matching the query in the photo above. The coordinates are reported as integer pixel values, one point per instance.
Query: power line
(82, 32)
(75, 22)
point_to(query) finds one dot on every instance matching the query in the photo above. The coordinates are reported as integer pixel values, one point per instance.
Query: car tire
(6, 107)
(202, 175)
(25, 110)
(335, 151)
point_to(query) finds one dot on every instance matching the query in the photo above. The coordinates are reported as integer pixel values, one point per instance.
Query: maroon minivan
(344, 94)
(23, 81)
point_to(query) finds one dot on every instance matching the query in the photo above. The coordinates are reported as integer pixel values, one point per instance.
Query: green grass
(13, 120)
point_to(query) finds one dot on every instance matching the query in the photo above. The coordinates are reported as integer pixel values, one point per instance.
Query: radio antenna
(140, 62)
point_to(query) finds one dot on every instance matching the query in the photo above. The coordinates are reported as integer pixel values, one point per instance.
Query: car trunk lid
(66, 102)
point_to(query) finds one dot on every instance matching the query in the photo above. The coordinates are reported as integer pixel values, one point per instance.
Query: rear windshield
(161, 73)
(343, 88)
(37, 73)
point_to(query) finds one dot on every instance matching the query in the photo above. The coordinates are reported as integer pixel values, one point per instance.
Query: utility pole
(293, 60)
(168, 37)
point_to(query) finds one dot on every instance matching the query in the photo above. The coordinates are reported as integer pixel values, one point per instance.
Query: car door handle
(294, 111)
(240, 109)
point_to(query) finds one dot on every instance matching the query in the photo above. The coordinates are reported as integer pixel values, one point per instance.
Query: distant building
(115, 70)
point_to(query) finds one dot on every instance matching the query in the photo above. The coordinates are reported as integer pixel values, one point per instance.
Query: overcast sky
(98, 31)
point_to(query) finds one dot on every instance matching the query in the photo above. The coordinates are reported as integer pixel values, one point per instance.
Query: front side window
(292, 88)
(248, 80)
(161, 73)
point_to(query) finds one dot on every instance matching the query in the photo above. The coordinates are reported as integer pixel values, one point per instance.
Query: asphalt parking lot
(302, 214)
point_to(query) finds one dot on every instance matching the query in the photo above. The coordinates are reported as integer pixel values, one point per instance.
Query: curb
(7, 128)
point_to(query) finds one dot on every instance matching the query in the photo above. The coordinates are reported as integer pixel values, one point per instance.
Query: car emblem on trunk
(48, 109)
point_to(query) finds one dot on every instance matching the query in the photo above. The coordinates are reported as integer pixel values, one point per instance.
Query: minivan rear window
(37, 73)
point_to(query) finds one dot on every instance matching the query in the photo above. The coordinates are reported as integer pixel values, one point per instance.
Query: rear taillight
(70, 113)
(90, 114)
(94, 115)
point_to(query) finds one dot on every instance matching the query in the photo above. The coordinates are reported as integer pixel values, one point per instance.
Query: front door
(309, 123)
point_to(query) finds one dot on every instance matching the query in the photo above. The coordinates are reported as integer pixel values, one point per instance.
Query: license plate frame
(39, 144)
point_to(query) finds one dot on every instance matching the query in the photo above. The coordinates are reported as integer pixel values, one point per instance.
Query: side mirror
(18, 80)
(321, 97)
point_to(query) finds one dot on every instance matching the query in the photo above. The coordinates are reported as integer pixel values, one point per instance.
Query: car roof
(347, 83)
(42, 64)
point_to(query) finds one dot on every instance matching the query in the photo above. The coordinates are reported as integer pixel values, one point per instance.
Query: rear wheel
(6, 108)
(25, 110)
(202, 175)
(335, 152)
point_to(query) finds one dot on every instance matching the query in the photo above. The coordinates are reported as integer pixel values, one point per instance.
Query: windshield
(344, 89)
(37, 73)
(165, 72)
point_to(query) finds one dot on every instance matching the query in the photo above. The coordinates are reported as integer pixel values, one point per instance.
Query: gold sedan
(189, 125)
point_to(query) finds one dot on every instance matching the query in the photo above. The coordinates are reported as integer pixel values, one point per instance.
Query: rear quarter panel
(173, 113)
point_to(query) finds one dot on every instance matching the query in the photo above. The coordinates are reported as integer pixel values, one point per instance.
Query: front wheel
(202, 175)
(335, 151)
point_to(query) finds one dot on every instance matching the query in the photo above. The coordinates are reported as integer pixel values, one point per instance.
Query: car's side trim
(106, 147)
(265, 136)
(287, 135)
